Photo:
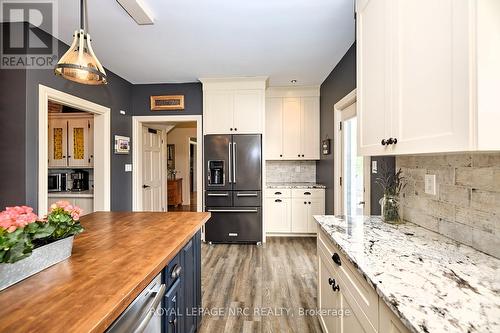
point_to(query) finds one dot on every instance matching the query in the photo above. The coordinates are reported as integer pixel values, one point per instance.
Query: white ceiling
(282, 39)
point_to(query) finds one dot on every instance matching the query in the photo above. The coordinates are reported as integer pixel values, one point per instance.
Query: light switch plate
(128, 167)
(374, 167)
(430, 184)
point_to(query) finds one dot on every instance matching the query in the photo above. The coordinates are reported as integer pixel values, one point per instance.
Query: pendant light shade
(79, 63)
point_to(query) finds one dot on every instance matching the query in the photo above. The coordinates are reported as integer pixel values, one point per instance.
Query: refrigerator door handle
(232, 210)
(217, 194)
(229, 163)
(234, 162)
(247, 195)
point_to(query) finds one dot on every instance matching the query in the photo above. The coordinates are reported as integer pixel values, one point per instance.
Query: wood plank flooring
(269, 285)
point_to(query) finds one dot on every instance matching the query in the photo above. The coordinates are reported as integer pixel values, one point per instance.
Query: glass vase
(391, 212)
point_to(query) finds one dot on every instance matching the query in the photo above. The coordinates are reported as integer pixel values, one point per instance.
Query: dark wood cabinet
(183, 298)
(174, 192)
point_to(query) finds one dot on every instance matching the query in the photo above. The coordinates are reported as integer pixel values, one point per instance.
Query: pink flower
(16, 217)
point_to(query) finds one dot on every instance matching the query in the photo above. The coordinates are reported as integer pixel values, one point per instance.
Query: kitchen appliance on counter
(56, 182)
(80, 180)
(233, 188)
(142, 314)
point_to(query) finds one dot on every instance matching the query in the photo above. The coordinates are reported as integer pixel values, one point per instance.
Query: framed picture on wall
(122, 144)
(167, 102)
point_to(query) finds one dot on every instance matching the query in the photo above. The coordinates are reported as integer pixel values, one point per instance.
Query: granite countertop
(113, 260)
(71, 194)
(432, 283)
(294, 185)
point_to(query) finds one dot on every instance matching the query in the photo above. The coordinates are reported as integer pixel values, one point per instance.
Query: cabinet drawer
(353, 282)
(173, 271)
(278, 192)
(307, 193)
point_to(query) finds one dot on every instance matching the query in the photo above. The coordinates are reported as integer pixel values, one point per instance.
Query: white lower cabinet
(346, 301)
(291, 211)
(85, 203)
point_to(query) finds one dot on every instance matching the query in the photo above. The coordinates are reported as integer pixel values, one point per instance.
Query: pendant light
(79, 63)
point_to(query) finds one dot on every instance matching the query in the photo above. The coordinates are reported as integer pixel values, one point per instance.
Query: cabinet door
(248, 115)
(91, 142)
(300, 219)
(218, 112)
(316, 207)
(373, 108)
(87, 204)
(310, 127)
(189, 287)
(291, 128)
(352, 322)
(58, 143)
(388, 322)
(327, 298)
(78, 143)
(173, 298)
(274, 128)
(278, 215)
(431, 76)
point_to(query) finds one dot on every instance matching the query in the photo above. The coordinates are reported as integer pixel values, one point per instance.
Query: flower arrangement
(21, 230)
(392, 184)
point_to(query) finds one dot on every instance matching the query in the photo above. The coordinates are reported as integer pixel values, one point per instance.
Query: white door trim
(102, 146)
(339, 107)
(137, 122)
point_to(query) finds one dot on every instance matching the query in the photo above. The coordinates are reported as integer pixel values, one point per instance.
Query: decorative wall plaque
(167, 102)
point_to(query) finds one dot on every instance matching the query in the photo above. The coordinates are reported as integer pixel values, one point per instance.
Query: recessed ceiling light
(294, 81)
(137, 10)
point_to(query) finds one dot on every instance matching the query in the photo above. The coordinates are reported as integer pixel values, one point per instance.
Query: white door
(151, 170)
(354, 182)
(274, 128)
(310, 127)
(372, 19)
(218, 112)
(58, 143)
(247, 116)
(431, 89)
(278, 215)
(78, 142)
(291, 128)
(91, 142)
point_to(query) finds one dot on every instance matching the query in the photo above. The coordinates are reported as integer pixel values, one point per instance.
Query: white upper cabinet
(71, 140)
(421, 74)
(233, 106)
(274, 128)
(292, 123)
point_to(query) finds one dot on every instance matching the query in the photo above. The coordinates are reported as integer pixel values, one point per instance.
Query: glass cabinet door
(78, 143)
(58, 143)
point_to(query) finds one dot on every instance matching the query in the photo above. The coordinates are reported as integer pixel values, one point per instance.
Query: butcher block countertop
(113, 260)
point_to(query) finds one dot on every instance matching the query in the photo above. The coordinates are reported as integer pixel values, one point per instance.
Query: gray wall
(12, 118)
(193, 98)
(340, 82)
(376, 191)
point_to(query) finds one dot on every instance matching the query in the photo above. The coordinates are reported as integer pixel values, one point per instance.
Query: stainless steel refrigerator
(233, 188)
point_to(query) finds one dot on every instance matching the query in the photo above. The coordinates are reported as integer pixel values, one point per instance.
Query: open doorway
(165, 159)
(352, 172)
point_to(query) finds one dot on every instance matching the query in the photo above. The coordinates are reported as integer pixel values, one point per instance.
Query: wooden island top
(113, 260)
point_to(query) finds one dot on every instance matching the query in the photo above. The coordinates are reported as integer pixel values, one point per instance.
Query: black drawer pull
(336, 259)
(277, 200)
(307, 193)
(277, 193)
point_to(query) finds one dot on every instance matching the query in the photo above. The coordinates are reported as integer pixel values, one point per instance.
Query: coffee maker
(80, 180)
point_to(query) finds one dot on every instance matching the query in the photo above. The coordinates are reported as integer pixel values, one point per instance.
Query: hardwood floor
(269, 285)
(192, 207)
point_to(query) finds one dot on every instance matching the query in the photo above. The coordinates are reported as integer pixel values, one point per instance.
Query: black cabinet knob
(298, 155)
(336, 259)
(331, 281)
(383, 142)
(230, 129)
(390, 141)
(235, 129)
(309, 202)
(305, 202)
(302, 155)
(395, 140)
(281, 155)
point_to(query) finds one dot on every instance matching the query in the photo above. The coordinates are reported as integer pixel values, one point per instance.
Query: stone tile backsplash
(467, 204)
(291, 171)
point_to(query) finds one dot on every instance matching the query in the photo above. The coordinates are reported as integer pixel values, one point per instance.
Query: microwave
(57, 182)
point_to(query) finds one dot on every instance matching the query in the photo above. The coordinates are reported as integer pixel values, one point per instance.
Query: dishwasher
(144, 313)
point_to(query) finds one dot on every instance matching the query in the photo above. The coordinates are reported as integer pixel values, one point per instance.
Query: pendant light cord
(84, 22)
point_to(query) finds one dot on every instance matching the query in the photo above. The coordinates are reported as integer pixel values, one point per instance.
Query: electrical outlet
(128, 167)
(374, 167)
(430, 184)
